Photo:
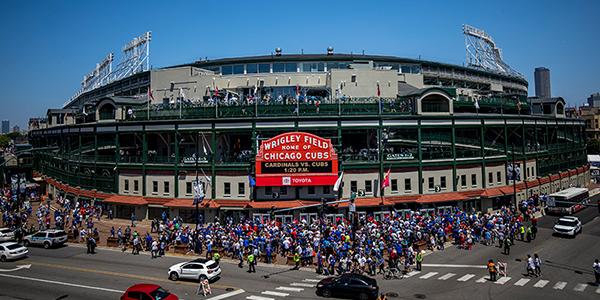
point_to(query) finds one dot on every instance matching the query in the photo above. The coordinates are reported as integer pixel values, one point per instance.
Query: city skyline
(62, 42)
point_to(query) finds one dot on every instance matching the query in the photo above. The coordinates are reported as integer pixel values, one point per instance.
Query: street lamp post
(514, 174)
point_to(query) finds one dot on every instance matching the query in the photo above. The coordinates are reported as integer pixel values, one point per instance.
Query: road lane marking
(271, 293)
(598, 290)
(454, 266)
(447, 276)
(411, 274)
(220, 287)
(502, 280)
(258, 298)
(428, 275)
(466, 277)
(559, 285)
(482, 279)
(290, 289)
(227, 295)
(302, 284)
(540, 284)
(311, 280)
(522, 281)
(19, 267)
(64, 283)
(580, 287)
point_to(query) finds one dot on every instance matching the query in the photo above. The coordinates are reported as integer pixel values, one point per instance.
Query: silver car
(47, 238)
(199, 269)
(6, 234)
(12, 250)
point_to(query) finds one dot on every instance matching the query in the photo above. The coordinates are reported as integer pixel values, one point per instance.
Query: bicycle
(393, 272)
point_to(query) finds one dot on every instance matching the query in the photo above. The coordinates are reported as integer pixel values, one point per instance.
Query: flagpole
(148, 104)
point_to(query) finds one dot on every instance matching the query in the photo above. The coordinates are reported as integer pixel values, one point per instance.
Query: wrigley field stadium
(274, 133)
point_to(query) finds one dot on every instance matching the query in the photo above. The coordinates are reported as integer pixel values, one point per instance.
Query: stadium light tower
(484, 54)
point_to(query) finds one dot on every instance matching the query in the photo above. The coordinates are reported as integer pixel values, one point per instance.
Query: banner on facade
(296, 158)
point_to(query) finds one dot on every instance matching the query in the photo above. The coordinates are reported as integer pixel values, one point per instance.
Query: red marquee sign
(296, 158)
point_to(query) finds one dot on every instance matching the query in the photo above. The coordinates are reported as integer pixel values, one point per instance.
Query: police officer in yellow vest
(297, 261)
(217, 256)
(419, 260)
(251, 263)
(522, 232)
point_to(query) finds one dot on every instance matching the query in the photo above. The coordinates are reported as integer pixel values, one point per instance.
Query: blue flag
(252, 182)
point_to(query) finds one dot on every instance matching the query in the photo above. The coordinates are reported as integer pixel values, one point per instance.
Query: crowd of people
(364, 245)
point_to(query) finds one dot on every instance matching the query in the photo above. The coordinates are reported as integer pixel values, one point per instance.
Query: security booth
(444, 209)
(403, 213)
(261, 218)
(427, 211)
(310, 217)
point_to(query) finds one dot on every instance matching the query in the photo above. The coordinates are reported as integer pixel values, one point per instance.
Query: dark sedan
(348, 286)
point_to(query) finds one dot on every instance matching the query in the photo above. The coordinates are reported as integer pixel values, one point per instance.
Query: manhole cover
(392, 294)
(419, 296)
(229, 289)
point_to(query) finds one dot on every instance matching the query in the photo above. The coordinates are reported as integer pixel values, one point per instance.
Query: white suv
(568, 226)
(47, 238)
(199, 269)
(6, 234)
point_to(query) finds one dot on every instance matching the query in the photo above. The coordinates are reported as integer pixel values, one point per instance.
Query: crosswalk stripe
(413, 273)
(428, 275)
(271, 293)
(258, 298)
(580, 287)
(466, 277)
(447, 276)
(302, 284)
(311, 280)
(322, 276)
(559, 285)
(522, 282)
(482, 279)
(540, 284)
(289, 289)
(598, 290)
(503, 280)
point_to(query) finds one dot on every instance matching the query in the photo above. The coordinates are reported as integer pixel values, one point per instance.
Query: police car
(47, 238)
(568, 226)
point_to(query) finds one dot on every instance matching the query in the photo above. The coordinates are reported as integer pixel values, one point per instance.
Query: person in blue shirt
(132, 219)
(268, 251)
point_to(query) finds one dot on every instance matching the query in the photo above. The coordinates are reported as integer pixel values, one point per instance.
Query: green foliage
(4, 140)
(13, 135)
(593, 147)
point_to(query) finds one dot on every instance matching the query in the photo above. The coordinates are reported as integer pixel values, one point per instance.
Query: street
(68, 272)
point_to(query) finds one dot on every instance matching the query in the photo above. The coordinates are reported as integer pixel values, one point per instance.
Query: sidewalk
(142, 227)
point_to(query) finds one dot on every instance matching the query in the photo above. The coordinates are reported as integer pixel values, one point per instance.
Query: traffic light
(324, 206)
(272, 212)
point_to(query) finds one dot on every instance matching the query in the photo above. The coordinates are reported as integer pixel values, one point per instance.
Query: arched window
(560, 109)
(107, 112)
(435, 103)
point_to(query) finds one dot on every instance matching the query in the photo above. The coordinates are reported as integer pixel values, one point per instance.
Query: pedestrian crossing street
(297, 287)
(535, 282)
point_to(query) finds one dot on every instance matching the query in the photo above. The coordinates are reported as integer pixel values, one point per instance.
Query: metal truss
(135, 59)
(484, 54)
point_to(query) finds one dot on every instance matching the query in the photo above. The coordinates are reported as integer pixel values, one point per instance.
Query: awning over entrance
(132, 200)
(280, 204)
(507, 190)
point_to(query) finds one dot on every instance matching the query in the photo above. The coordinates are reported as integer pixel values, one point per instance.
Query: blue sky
(48, 46)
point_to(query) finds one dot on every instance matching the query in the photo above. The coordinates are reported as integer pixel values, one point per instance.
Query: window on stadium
(136, 185)
(326, 190)
(264, 68)
(155, 187)
(278, 67)
(463, 181)
(311, 189)
(368, 186)
(226, 189)
(312, 67)
(431, 183)
(166, 187)
(226, 70)
(251, 68)
(188, 188)
(241, 189)
(238, 69)
(407, 188)
(353, 186)
(126, 186)
(394, 185)
(443, 182)
(473, 180)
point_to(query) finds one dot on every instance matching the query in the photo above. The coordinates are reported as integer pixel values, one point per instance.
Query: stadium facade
(279, 130)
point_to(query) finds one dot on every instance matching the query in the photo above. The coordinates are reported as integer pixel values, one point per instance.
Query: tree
(593, 147)
(4, 140)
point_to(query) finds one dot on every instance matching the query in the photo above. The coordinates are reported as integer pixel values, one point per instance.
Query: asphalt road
(69, 273)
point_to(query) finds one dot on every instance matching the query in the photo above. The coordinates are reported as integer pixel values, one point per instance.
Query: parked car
(12, 250)
(6, 234)
(47, 238)
(200, 269)
(568, 226)
(348, 286)
(148, 291)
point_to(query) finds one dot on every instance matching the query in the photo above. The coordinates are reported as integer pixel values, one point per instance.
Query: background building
(542, 82)
(5, 126)
(594, 100)
(14, 129)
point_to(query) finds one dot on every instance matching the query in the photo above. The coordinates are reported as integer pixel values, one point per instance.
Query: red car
(146, 291)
